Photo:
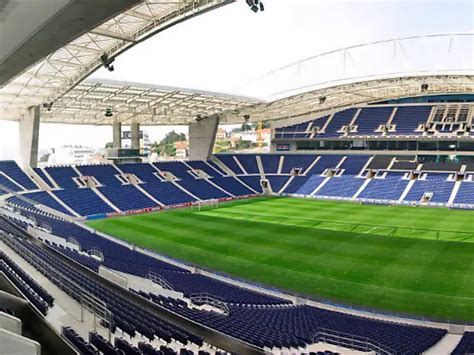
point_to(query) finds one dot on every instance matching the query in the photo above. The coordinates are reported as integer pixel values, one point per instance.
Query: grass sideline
(400, 259)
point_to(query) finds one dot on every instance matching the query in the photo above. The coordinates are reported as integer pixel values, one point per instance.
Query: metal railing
(352, 341)
(211, 300)
(160, 280)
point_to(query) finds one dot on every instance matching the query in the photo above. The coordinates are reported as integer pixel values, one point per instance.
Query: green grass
(402, 259)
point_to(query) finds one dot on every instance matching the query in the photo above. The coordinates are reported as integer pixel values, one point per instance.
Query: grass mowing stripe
(268, 240)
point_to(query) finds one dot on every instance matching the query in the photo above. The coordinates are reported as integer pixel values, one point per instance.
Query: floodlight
(107, 62)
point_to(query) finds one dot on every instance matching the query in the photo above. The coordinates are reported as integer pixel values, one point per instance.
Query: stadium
(353, 233)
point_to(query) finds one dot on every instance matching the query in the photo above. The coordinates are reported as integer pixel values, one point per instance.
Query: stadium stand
(333, 176)
(16, 175)
(168, 193)
(145, 172)
(126, 315)
(84, 201)
(105, 174)
(268, 318)
(63, 176)
(466, 345)
(127, 197)
(41, 197)
(36, 294)
(367, 121)
(248, 162)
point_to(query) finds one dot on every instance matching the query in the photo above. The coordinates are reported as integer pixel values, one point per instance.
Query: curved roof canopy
(160, 105)
(146, 104)
(354, 75)
(60, 71)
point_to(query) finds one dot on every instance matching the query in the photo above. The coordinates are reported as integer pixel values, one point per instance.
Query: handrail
(350, 340)
(210, 299)
(160, 280)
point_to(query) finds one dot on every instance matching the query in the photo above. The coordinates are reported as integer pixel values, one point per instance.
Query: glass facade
(387, 145)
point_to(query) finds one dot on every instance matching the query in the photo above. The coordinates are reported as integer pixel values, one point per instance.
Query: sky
(226, 49)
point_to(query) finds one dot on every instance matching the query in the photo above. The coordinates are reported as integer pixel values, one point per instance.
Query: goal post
(212, 203)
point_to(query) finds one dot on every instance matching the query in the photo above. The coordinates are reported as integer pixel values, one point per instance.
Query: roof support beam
(111, 34)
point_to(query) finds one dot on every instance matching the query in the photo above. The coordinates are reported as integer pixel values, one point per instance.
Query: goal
(212, 203)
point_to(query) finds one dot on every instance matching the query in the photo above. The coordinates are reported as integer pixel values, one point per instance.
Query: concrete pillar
(29, 137)
(135, 135)
(117, 140)
(202, 136)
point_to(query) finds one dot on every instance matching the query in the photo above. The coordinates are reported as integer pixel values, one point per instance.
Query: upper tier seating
(145, 172)
(11, 169)
(248, 162)
(8, 184)
(43, 177)
(408, 118)
(178, 169)
(339, 119)
(229, 161)
(212, 171)
(369, 120)
(63, 176)
(405, 122)
(105, 174)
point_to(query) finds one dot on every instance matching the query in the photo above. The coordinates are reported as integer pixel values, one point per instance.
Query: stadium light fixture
(48, 105)
(256, 5)
(107, 62)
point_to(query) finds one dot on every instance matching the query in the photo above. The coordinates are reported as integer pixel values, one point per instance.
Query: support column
(202, 136)
(29, 137)
(117, 140)
(135, 135)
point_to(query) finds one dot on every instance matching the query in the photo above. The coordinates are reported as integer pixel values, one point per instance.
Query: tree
(166, 146)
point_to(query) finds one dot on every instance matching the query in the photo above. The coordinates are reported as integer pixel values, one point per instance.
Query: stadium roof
(146, 104)
(161, 105)
(58, 72)
(353, 75)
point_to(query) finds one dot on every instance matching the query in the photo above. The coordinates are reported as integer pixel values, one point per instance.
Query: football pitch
(418, 261)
